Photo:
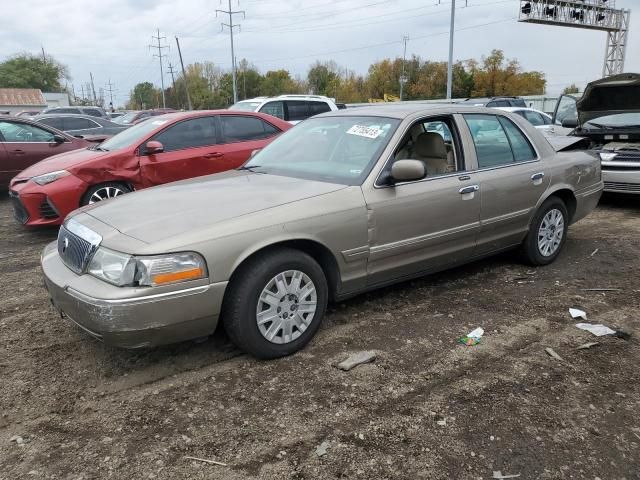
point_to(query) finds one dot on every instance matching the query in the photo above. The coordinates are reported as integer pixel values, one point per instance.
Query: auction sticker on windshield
(362, 131)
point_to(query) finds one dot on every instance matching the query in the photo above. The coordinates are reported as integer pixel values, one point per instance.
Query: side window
(269, 129)
(55, 122)
(534, 118)
(566, 108)
(67, 110)
(93, 112)
(23, 132)
(522, 149)
(240, 128)
(197, 132)
(273, 108)
(546, 119)
(319, 107)
(490, 140)
(298, 110)
(74, 123)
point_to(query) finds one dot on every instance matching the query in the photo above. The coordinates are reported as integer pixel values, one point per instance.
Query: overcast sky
(110, 38)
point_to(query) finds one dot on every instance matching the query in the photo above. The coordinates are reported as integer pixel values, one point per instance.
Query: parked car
(24, 142)
(80, 110)
(292, 108)
(538, 119)
(493, 102)
(345, 202)
(132, 118)
(608, 117)
(114, 115)
(167, 148)
(27, 113)
(80, 125)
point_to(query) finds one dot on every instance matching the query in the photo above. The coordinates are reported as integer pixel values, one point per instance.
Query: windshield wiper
(99, 148)
(248, 167)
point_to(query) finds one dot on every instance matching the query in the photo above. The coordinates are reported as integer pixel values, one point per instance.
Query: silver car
(345, 202)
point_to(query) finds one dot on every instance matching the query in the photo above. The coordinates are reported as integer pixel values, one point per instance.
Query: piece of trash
(575, 313)
(623, 335)
(321, 449)
(498, 474)
(551, 352)
(472, 338)
(356, 359)
(595, 251)
(601, 289)
(204, 460)
(587, 345)
(598, 330)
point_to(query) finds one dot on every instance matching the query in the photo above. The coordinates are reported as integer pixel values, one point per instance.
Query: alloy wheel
(550, 232)
(105, 193)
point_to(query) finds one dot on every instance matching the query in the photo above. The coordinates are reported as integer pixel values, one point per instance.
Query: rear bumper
(622, 181)
(131, 322)
(586, 201)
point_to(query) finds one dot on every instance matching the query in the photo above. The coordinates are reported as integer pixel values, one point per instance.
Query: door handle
(537, 176)
(18, 152)
(213, 155)
(469, 189)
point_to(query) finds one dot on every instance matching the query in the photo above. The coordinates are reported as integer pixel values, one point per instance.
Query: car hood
(62, 161)
(158, 213)
(610, 96)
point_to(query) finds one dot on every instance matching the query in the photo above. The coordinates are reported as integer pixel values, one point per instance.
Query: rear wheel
(104, 191)
(275, 303)
(547, 233)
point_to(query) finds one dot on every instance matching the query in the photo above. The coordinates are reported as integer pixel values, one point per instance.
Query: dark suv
(84, 110)
(496, 102)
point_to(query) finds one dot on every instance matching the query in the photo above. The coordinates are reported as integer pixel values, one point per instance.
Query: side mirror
(154, 147)
(58, 139)
(570, 122)
(407, 170)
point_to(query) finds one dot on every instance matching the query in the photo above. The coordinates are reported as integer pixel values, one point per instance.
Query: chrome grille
(622, 187)
(74, 250)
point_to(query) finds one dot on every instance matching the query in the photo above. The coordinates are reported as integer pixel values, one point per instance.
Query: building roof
(19, 97)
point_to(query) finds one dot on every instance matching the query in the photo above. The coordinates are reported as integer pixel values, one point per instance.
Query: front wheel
(547, 233)
(104, 191)
(275, 303)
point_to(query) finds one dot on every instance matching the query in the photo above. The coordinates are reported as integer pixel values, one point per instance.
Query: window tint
(274, 108)
(533, 117)
(65, 110)
(238, 128)
(490, 139)
(55, 122)
(71, 123)
(94, 112)
(298, 110)
(197, 132)
(499, 103)
(522, 149)
(23, 132)
(318, 107)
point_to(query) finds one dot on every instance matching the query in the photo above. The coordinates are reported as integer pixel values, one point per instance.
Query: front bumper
(622, 181)
(132, 317)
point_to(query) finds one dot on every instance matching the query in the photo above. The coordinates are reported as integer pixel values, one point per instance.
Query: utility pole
(173, 82)
(93, 89)
(160, 55)
(231, 26)
(184, 76)
(450, 65)
(44, 56)
(110, 90)
(403, 78)
(82, 93)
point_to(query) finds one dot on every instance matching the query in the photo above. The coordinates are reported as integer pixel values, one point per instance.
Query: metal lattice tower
(589, 14)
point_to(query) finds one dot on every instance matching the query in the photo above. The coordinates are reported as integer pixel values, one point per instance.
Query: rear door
(241, 135)
(190, 150)
(297, 110)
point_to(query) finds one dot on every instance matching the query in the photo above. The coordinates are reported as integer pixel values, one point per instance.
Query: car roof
(402, 111)
(518, 109)
(71, 115)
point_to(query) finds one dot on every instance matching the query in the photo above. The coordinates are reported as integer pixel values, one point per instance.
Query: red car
(164, 149)
(23, 143)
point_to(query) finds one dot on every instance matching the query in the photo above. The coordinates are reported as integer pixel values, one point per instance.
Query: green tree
(29, 71)
(249, 80)
(573, 88)
(323, 78)
(144, 95)
(278, 82)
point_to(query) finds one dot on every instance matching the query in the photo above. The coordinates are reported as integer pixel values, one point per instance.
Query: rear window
(240, 128)
(94, 112)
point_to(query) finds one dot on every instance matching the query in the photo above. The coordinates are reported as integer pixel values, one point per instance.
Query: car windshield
(329, 149)
(132, 135)
(245, 106)
(621, 120)
(126, 119)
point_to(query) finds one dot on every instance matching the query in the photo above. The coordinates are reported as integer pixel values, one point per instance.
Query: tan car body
(363, 236)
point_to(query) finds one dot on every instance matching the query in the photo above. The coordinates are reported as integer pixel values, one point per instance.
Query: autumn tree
(500, 76)
(323, 78)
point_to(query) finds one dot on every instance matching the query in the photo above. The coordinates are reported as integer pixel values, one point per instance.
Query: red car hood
(62, 161)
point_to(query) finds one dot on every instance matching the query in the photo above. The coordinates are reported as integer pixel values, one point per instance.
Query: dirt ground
(427, 408)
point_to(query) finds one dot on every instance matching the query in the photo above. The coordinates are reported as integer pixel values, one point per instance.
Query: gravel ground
(427, 408)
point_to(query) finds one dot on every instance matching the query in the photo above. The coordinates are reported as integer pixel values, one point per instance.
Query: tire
(550, 217)
(282, 318)
(104, 191)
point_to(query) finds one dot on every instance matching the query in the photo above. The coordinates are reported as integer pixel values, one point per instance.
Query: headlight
(607, 156)
(150, 271)
(50, 177)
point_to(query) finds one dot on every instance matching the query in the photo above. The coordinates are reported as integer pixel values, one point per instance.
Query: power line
(160, 55)
(231, 26)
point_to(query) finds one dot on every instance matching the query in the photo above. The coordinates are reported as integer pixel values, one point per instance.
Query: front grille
(623, 187)
(19, 212)
(74, 251)
(48, 211)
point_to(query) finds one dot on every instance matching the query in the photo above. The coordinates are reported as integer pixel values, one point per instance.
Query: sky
(111, 38)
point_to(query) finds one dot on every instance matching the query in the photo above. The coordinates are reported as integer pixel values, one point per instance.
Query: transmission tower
(590, 14)
(231, 26)
(160, 55)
